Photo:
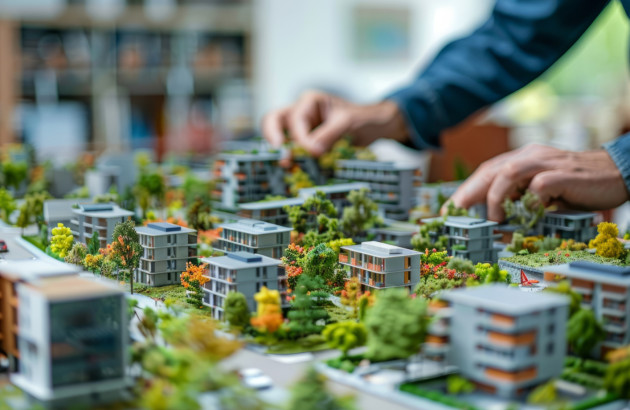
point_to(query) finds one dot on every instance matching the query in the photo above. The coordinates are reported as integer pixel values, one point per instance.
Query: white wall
(301, 44)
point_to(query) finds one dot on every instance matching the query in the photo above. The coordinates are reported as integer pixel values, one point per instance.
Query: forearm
(619, 151)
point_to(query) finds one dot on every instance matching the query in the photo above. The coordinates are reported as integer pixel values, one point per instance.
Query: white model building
(576, 225)
(379, 265)
(255, 237)
(102, 218)
(73, 342)
(242, 272)
(166, 250)
(505, 340)
(246, 177)
(471, 238)
(392, 185)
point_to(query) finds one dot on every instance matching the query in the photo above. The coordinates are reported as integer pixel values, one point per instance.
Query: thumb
(549, 185)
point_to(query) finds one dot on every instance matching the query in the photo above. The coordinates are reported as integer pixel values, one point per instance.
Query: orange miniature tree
(193, 279)
(269, 315)
(352, 296)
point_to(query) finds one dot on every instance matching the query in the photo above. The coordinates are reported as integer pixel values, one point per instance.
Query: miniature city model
(394, 236)
(505, 340)
(379, 265)
(97, 217)
(242, 272)
(11, 274)
(606, 290)
(255, 237)
(337, 193)
(166, 250)
(73, 341)
(392, 185)
(246, 178)
(58, 211)
(569, 225)
(269, 211)
(471, 238)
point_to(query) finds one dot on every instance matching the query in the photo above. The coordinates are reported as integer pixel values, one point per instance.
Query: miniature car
(255, 379)
(3, 246)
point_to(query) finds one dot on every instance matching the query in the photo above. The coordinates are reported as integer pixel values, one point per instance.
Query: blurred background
(177, 77)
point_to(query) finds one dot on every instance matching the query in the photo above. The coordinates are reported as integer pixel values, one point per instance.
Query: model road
(16, 251)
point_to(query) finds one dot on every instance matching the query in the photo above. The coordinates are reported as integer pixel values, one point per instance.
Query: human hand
(586, 180)
(317, 120)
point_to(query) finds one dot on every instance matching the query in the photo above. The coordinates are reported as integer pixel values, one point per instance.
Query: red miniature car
(3, 246)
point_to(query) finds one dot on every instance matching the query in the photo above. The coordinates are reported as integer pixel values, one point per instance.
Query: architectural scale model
(58, 211)
(166, 250)
(101, 218)
(273, 211)
(242, 272)
(574, 225)
(246, 177)
(379, 265)
(255, 237)
(394, 236)
(392, 185)
(471, 238)
(336, 193)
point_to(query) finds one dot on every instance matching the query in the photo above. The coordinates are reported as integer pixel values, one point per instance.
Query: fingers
(273, 126)
(324, 136)
(306, 115)
(550, 185)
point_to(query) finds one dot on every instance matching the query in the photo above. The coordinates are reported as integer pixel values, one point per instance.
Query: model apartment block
(576, 225)
(11, 274)
(73, 341)
(101, 218)
(378, 265)
(505, 340)
(471, 238)
(274, 212)
(336, 193)
(166, 250)
(606, 290)
(242, 272)
(392, 185)
(245, 178)
(255, 237)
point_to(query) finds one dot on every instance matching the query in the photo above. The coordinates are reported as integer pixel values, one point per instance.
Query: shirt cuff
(619, 151)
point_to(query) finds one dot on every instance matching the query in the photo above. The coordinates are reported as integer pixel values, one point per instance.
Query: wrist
(387, 121)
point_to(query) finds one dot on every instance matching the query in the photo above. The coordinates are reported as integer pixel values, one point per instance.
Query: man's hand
(317, 120)
(578, 180)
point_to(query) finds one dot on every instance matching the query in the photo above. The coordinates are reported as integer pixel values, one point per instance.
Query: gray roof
(58, 209)
(380, 249)
(33, 269)
(241, 260)
(467, 222)
(249, 157)
(505, 299)
(102, 210)
(570, 214)
(255, 227)
(331, 189)
(384, 165)
(162, 228)
(279, 203)
(609, 274)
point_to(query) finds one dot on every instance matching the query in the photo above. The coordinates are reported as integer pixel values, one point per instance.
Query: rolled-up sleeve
(619, 151)
(520, 40)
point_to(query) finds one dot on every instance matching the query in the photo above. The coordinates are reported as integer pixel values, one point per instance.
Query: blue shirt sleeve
(520, 40)
(619, 151)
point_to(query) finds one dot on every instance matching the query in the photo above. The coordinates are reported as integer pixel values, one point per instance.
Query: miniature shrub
(617, 379)
(458, 247)
(456, 384)
(548, 243)
(461, 265)
(583, 379)
(436, 397)
(606, 243)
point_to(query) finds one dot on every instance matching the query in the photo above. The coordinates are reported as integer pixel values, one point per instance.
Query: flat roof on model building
(380, 249)
(162, 228)
(255, 227)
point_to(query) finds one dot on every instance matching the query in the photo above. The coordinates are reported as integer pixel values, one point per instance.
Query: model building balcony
(504, 339)
(518, 376)
(343, 258)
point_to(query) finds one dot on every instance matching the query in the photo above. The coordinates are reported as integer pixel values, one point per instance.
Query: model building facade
(379, 265)
(101, 218)
(253, 236)
(73, 341)
(575, 225)
(392, 185)
(243, 178)
(471, 238)
(606, 290)
(506, 340)
(242, 272)
(166, 250)
(274, 212)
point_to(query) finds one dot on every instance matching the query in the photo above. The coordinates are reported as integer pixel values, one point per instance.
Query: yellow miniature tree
(269, 314)
(266, 297)
(62, 240)
(606, 243)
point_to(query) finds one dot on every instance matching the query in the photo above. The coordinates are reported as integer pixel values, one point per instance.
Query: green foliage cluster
(461, 265)
(584, 332)
(14, 173)
(199, 214)
(539, 259)
(361, 215)
(617, 378)
(321, 261)
(76, 254)
(456, 384)
(7, 204)
(62, 240)
(606, 243)
(345, 336)
(525, 213)
(431, 236)
(583, 379)
(296, 180)
(544, 394)
(487, 273)
(310, 393)
(237, 311)
(564, 288)
(435, 396)
(307, 315)
(317, 219)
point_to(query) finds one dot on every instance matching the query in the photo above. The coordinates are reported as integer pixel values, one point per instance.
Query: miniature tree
(61, 241)
(264, 298)
(327, 230)
(199, 215)
(193, 280)
(293, 260)
(351, 294)
(126, 249)
(321, 261)
(94, 244)
(584, 332)
(544, 394)
(336, 244)
(345, 336)
(24, 217)
(305, 217)
(461, 265)
(305, 315)
(452, 210)
(236, 310)
(564, 288)
(524, 213)
(606, 243)
(14, 173)
(76, 254)
(310, 393)
(396, 325)
(430, 236)
(296, 180)
(617, 378)
(361, 215)
(94, 263)
(458, 385)
(268, 319)
(7, 205)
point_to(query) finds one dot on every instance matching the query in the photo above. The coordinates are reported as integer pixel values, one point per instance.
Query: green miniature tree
(321, 261)
(199, 215)
(524, 213)
(94, 244)
(452, 210)
(461, 265)
(396, 324)
(564, 288)
(24, 217)
(61, 241)
(361, 215)
(617, 378)
(236, 310)
(7, 205)
(304, 217)
(606, 243)
(14, 173)
(296, 180)
(327, 231)
(76, 254)
(126, 249)
(310, 393)
(456, 384)
(545, 394)
(345, 336)
(584, 332)
(305, 315)
(430, 237)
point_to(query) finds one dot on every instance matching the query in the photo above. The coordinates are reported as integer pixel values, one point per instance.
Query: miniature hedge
(586, 380)
(436, 396)
(595, 402)
(544, 258)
